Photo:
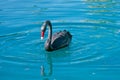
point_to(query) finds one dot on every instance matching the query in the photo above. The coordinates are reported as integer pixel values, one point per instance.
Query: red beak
(42, 35)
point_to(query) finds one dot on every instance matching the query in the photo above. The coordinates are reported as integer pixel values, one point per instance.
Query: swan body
(56, 41)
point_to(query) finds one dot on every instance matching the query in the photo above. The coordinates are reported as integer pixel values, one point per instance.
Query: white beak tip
(42, 38)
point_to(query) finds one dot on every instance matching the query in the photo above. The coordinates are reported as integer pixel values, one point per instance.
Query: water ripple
(83, 48)
(95, 27)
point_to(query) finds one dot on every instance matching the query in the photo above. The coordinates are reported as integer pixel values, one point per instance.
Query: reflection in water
(47, 71)
(44, 72)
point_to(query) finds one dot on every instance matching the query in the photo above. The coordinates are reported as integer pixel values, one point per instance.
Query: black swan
(58, 40)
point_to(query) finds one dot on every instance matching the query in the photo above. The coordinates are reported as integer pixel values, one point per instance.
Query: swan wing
(59, 41)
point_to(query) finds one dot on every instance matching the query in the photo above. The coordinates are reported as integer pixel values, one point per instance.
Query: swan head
(43, 29)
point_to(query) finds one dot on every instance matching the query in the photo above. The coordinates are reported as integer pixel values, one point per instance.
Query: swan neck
(48, 23)
(49, 31)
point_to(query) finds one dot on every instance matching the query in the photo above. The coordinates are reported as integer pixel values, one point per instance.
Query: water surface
(92, 55)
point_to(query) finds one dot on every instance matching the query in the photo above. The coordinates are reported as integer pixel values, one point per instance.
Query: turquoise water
(92, 55)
